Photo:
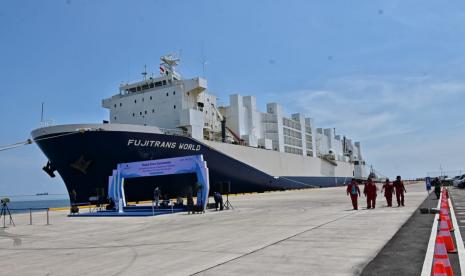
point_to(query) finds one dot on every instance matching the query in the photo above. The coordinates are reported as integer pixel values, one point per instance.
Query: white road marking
(428, 263)
(459, 241)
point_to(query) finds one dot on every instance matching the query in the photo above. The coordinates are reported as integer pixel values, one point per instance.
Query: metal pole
(48, 220)
(429, 201)
(42, 115)
(153, 208)
(30, 216)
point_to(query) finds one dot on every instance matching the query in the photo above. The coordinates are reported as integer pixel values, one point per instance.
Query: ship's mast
(145, 72)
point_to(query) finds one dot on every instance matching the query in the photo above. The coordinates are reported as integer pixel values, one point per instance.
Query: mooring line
(458, 239)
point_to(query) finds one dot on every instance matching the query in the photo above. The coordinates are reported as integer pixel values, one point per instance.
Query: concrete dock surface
(305, 232)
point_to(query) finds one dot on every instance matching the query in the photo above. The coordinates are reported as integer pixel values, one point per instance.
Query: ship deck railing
(30, 210)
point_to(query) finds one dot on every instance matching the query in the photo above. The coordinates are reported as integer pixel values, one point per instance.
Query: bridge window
(174, 92)
(150, 97)
(135, 101)
(174, 107)
(120, 104)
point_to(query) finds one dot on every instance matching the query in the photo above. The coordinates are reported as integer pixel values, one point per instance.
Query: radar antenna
(170, 61)
(168, 64)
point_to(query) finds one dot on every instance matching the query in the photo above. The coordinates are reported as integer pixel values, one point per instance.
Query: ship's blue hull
(86, 160)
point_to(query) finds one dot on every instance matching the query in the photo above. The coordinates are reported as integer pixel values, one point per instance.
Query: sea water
(36, 203)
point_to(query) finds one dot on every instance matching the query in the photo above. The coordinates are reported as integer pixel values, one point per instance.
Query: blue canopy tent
(178, 165)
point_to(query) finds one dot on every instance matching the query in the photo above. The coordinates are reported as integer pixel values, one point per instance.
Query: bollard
(172, 208)
(30, 216)
(48, 221)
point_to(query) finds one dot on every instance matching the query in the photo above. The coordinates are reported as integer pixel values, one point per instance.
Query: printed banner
(428, 183)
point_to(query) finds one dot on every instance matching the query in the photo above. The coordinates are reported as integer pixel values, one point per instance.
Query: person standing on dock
(370, 192)
(388, 188)
(437, 187)
(156, 196)
(400, 190)
(190, 201)
(218, 200)
(354, 191)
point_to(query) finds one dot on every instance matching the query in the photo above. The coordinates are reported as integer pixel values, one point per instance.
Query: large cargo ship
(167, 116)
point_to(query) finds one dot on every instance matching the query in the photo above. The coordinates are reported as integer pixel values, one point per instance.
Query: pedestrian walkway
(306, 232)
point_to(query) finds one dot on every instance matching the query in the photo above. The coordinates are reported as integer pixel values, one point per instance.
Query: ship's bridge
(168, 102)
(144, 85)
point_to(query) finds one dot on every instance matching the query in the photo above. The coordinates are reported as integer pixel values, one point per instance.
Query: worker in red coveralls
(370, 191)
(388, 188)
(400, 190)
(354, 191)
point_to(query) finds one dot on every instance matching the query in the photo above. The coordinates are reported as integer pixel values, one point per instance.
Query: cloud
(390, 115)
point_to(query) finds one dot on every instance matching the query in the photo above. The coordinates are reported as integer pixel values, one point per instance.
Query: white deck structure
(184, 105)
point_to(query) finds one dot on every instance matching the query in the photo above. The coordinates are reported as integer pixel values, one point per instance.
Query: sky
(390, 74)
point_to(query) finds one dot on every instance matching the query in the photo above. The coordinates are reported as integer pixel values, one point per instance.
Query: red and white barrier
(441, 243)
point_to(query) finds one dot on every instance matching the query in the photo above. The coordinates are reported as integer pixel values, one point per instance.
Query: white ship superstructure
(184, 105)
(296, 134)
(167, 102)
